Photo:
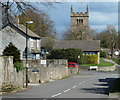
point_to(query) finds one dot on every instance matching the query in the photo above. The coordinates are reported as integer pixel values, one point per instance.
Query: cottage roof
(22, 29)
(93, 45)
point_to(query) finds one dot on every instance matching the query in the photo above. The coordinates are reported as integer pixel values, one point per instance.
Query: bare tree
(80, 33)
(48, 43)
(108, 38)
(14, 8)
(104, 38)
(113, 36)
(42, 25)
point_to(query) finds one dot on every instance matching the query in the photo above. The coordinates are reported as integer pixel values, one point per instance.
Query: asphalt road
(87, 84)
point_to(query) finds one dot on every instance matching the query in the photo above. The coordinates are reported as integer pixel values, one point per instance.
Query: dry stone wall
(53, 70)
(108, 68)
(8, 74)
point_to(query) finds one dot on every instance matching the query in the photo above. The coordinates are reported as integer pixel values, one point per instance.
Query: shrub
(102, 54)
(11, 50)
(70, 54)
(18, 66)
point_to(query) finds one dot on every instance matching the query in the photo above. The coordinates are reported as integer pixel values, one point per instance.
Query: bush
(70, 54)
(102, 54)
(18, 66)
(11, 50)
(90, 59)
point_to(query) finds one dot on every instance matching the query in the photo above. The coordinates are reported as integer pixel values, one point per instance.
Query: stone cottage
(91, 47)
(17, 35)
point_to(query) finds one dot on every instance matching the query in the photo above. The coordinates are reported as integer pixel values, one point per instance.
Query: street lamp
(27, 22)
(78, 58)
(78, 63)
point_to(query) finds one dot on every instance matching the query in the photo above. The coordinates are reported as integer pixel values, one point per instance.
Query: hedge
(90, 59)
(70, 54)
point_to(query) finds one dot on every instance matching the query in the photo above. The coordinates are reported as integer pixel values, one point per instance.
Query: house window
(38, 44)
(32, 44)
(90, 53)
(37, 56)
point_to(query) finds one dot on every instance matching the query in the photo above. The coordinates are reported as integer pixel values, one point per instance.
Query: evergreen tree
(11, 50)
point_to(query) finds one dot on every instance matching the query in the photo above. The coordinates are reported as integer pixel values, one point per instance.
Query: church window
(81, 21)
(77, 21)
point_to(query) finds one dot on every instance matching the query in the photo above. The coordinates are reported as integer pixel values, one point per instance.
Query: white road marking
(56, 95)
(83, 81)
(67, 90)
(74, 86)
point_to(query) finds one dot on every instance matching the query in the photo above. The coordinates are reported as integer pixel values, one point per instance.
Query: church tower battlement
(79, 19)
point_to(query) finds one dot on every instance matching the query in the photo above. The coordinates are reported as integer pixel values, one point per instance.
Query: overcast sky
(100, 14)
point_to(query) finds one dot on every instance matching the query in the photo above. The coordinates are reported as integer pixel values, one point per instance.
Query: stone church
(80, 22)
(79, 19)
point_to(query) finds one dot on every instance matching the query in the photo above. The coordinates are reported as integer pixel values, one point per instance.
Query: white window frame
(38, 43)
(32, 43)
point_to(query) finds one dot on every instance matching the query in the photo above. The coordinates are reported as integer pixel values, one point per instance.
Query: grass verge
(116, 60)
(102, 64)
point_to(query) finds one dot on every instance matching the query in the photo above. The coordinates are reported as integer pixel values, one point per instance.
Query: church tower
(79, 19)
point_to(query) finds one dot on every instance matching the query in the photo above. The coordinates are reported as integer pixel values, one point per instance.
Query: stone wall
(53, 70)
(108, 68)
(8, 74)
(72, 71)
(84, 67)
(7, 69)
(46, 74)
(1, 71)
